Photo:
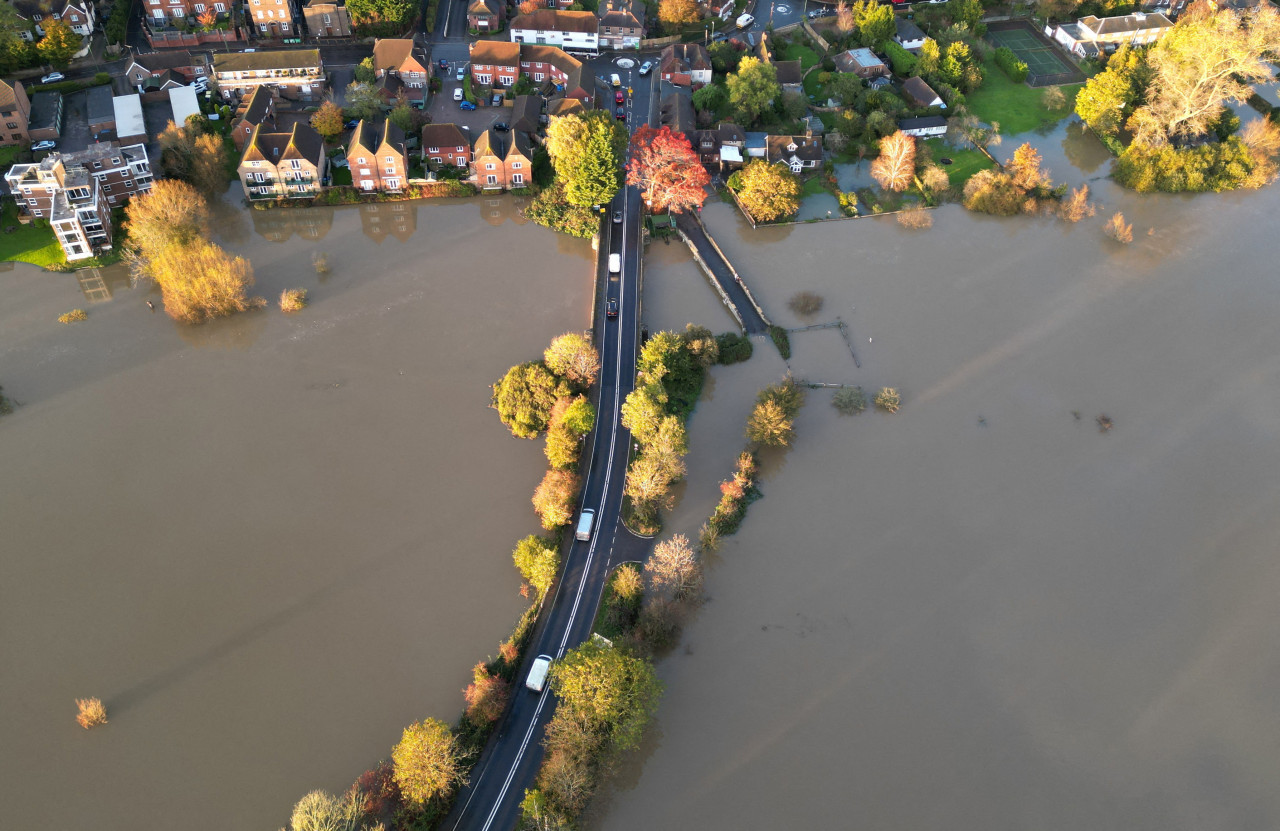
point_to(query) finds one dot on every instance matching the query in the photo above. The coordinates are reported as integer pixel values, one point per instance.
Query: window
(263, 27)
(271, 13)
(107, 188)
(115, 161)
(27, 191)
(33, 201)
(491, 179)
(219, 7)
(391, 170)
(433, 150)
(12, 126)
(97, 165)
(326, 20)
(435, 160)
(296, 164)
(458, 149)
(515, 165)
(489, 166)
(517, 178)
(361, 161)
(537, 76)
(391, 159)
(199, 7)
(284, 27)
(462, 162)
(37, 213)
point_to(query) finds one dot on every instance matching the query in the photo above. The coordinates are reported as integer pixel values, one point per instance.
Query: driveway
(75, 123)
(444, 110)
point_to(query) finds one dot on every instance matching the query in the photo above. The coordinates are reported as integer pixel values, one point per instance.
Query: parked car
(619, 97)
(501, 126)
(352, 124)
(646, 67)
(462, 72)
(53, 78)
(611, 308)
(620, 113)
(615, 81)
(745, 21)
(44, 145)
(467, 105)
(457, 94)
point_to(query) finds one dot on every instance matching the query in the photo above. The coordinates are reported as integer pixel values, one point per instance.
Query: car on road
(53, 78)
(611, 308)
(587, 519)
(615, 81)
(444, 65)
(619, 97)
(462, 73)
(537, 679)
(501, 126)
(457, 94)
(816, 13)
(745, 21)
(615, 267)
(617, 215)
(620, 113)
(467, 105)
(44, 145)
(646, 67)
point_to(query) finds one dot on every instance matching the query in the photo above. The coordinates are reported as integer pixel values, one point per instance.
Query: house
(157, 70)
(164, 13)
(621, 24)
(15, 113)
(568, 30)
(549, 63)
(861, 62)
(377, 158)
(183, 103)
(799, 153)
(123, 170)
(296, 74)
(677, 113)
(485, 15)
(79, 15)
(45, 121)
(445, 144)
(927, 127)
(526, 114)
(400, 58)
(502, 160)
(69, 197)
(565, 106)
(685, 65)
(273, 18)
(494, 62)
(790, 76)
(131, 127)
(909, 36)
(100, 110)
(719, 9)
(283, 165)
(1091, 35)
(756, 145)
(327, 19)
(258, 108)
(920, 94)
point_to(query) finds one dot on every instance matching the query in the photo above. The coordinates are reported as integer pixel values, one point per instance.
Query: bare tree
(673, 570)
(1118, 230)
(844, 17)
(895, 167)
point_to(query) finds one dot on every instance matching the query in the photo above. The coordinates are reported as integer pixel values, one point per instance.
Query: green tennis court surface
(1040, 59)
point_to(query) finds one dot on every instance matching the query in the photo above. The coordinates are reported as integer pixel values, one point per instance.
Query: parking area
(444, 110)
(75, 123)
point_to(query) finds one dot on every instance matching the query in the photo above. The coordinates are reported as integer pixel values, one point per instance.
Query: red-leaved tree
(664, 165)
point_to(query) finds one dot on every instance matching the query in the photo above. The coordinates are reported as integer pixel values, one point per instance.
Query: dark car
(501, 126)
(621, 113)
(352, 124)
(611, 308)
(619, 97)
(617, 215)
(444, 65)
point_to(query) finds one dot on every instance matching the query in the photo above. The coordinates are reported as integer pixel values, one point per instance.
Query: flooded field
(269, 543)
(983, 612)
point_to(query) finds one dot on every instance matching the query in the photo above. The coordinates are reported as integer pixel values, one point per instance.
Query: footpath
(724, 276)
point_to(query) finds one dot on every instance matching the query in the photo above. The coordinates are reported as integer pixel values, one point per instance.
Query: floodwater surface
(271, 542)
(983, 612)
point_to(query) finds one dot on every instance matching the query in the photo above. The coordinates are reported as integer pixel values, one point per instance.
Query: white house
(1089, 35)
(184, 104)
(131, 127)
(571, 31)
(909, 36)
(927, 127)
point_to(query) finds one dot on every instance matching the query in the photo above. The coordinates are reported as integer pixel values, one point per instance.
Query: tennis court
(1044, 64)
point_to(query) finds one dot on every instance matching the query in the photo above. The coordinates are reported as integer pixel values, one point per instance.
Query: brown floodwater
(271, 542)
(982, 612)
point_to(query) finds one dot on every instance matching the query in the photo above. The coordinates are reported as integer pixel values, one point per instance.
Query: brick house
(258, 108)
(502, 160)
(296, 74)
(685, 65)
(400, 59)
(377, 159)
(156, 69)
(568, 30)
(327, 19)
(273, 18)
(167, 12)
(550, 63)
(799, 153)
(621, 24)
(495, 62)
(15, 112)
(445, 144)
(861, 62)
(79, 15)
(485, 15)
(280, 165)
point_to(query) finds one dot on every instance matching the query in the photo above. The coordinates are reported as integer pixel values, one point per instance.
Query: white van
(537, 679)
(585, 520)
(745, 21)
(615, 263)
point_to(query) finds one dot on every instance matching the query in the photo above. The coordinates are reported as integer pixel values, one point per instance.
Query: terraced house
(377, 159)
(494, 62)
(326, 19)
(170, 12)
(283, 165)
(502, 160)
(568, 30)
(295, 74)
(399, 60)
(445, 144)
(15, 113)
(273, 18)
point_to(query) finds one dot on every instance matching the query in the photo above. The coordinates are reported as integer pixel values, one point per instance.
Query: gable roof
(160, 61)
(444, 135)
(301, 143)
(730, 132)
(392, 53)
(908, 30)
(270, 59)
(554, 20)
(807, 148)
(1125, 24)
(622, 14)
(565, 106)
(852, 60)
(264, 147)
(677, 113)
(363, 137)
(255, 107)
(918, 123)
(9, 94)
(789, 72)
(502, 145)
(525, 113)
(304, 143)
(684, 57)
(482, 7)
(392, 136)
(495, 53)
(919, 91)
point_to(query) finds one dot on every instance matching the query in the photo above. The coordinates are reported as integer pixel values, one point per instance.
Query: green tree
(365, 72)
(14, 51)
(364, 101)
(562, 448)
(327, 121)
(768, 191)
(1107, 98)
(573, 357)
(610, 692)
(406, 118)
(579, 416)
(642, 411)
(538, 560)
(967, 13)
(772, 422)
(875, 22)
(59, 43)
(525, 397)
(930, 57)
(724, 58)
(599, 177)
(752, 89)
(711, 98)
(427, 762)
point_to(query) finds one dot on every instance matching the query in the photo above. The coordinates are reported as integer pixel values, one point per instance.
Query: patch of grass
(799, 52)
(8, 155)
(73, 316)
(341, 176)
(619, 610)
(1016, 107)
(782, 341)
(964, 163)
(30, 243)
(813, 186)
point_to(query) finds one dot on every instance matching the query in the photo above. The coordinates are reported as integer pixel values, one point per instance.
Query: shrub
(293, 300)
(1118, 230)
(805, 303)
(889, 399)
(552, 210)
(782, 341)
(1076, 206)
(1011, 66)
(903, 62)
(91, 713)
(538, 560)
(734, 348)
(73, 316)
(772, 422)
(320, 261)
(916, 217)
(1211, 167)
(849, 401)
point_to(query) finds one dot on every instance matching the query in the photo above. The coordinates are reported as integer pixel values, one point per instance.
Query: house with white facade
(1090, 35)
(574, 31)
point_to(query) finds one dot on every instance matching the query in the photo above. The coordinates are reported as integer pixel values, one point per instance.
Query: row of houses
(79, 15)
(616, 24)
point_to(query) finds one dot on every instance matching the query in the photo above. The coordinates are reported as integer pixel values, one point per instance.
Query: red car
(619, 97)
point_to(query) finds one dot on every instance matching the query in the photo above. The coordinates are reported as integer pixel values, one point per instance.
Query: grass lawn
(813, 186)
(27, 243)
(799, 52)
(340, 175)
(7, 155)
(964, 163)
(1017, 107)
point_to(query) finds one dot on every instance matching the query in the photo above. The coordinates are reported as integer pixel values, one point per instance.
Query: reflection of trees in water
(380, 220)
(237, 332)
(281, 224)
(1082, 148)
(496, 209)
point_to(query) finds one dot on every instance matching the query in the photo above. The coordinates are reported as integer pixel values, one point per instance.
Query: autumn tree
(673, 570)
(845, 19)
(1202, 63)
(772, 421)
(649, 480)
(207, 19)
(177, 149)
(768, 191)
(172, 213)
(209, 164)
(427, 762)
(555, 497)
(895, 167)
(1027, 169)
(531, 6)
(666, 168)
(1107, 99)
(486, 695)
(538, 560)
(328, 121)
(525, 397)
(322, 811)
(607, 691)
(59, 43)
(200, 281)
(573, 357)
(675, 13)
(752, 89)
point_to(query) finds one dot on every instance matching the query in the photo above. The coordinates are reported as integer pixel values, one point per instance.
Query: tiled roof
(919, 91)
(684, 57)
(908, 30)
(495, 53)
(9, 94)
(444, 135)
(554, 20)
(271, 59)
(1126, 24)
(160, 61)
(363, 137)
(807, 148)
(391, 53)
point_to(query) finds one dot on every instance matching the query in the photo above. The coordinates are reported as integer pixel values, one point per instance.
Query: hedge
(903, 62)
(1014, 68)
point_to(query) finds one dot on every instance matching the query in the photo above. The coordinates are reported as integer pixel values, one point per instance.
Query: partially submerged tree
(538, 560)
(673, 570)
(428, 762)
(767, 191)
(573, 357)
(525, 397)
(555, 497)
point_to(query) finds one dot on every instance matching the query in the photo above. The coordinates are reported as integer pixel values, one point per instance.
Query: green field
(798, 52)
(1017, 108)
(964, 163)
(27, 243)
